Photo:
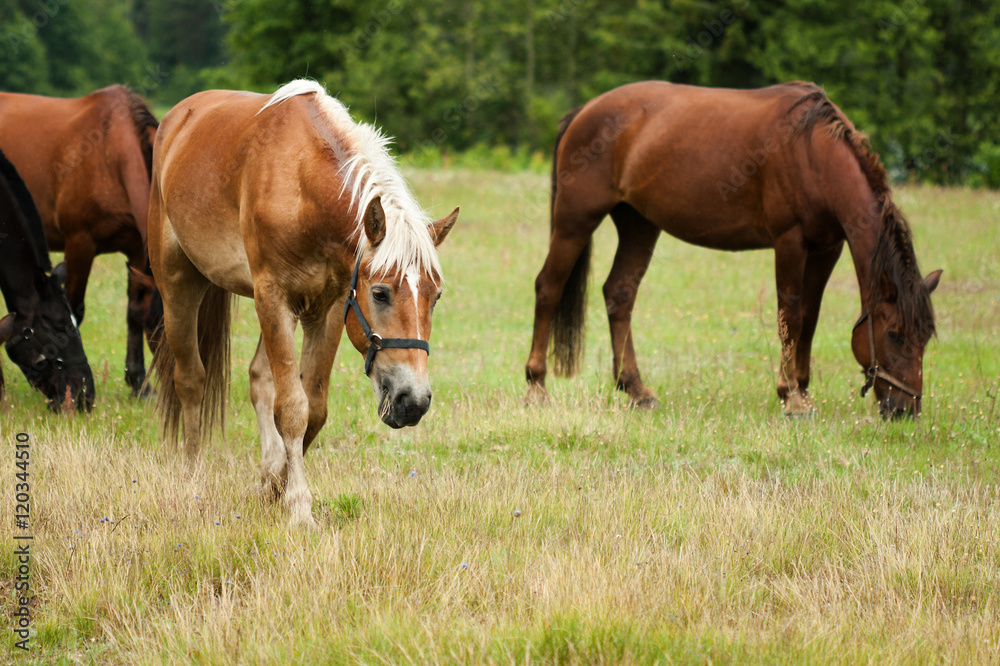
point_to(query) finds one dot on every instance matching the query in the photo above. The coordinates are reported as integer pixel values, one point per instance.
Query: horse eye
(380, 295)
(436, 300)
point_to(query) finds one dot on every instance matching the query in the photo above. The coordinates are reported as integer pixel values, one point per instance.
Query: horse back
(717, 167)
(240, 188)
(83, 159)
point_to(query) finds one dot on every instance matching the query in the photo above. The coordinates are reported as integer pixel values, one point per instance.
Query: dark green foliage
(921, 77)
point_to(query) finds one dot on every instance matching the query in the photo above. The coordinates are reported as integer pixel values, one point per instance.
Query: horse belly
(226, 266)
(720, 229)
(218, 255)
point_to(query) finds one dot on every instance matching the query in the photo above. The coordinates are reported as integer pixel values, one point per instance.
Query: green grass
(710, 530)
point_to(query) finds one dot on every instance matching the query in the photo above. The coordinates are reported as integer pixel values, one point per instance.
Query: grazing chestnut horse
(780, 167)
(285, 200)
(87, 165)
(40, 333)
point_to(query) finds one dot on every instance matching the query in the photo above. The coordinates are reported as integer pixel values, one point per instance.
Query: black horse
(43, 338)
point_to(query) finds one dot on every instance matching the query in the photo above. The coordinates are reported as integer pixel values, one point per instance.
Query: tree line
(921, 77)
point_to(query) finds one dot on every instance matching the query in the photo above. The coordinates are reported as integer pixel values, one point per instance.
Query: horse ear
(932, 279)
(59, 273)
(439, 230)
(6, 327)
(375, 222)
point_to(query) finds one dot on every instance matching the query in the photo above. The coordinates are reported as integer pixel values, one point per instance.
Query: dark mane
(145, 126)
(30, 218)
(893, 257)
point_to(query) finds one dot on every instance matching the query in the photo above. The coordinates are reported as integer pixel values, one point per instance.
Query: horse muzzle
(403, 407)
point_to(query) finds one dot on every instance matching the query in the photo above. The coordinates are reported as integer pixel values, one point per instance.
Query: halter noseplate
(874, 372)
(375, 341)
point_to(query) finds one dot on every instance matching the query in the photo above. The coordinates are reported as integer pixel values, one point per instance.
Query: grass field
(712, 529)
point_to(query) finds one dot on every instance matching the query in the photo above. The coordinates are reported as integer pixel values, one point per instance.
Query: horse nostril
(410, 406)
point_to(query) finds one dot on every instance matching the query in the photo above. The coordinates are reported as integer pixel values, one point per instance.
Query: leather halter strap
(375, 341)
(874, 372)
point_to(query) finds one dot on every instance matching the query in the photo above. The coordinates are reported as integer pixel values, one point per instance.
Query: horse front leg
(819, 267)
(789, 262)
(320, 340)
(273, 460)
(79, 254)
(291, 405)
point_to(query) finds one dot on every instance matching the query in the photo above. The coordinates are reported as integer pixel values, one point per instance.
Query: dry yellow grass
(712, 530)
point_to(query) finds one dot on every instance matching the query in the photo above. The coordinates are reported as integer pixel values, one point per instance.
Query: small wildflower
(413, 473)
(517, 513)
(464, 565)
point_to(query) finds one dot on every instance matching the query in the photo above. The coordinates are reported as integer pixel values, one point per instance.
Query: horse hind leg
(184, 289)
(560, 298)
(637, 238)
(274, 461)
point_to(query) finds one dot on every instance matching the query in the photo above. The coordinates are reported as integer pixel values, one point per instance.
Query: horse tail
(214, 319)
(568, 322)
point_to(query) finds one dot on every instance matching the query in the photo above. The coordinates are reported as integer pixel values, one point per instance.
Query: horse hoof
(798, 406)
(303, 521)
(137, 382)
(537, 396)
(270, 491)
(649, 403)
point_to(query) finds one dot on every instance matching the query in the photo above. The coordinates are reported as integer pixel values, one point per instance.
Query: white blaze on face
(414, 282)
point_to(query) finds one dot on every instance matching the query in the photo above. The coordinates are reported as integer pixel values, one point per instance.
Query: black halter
(874, 371)
(375, 341)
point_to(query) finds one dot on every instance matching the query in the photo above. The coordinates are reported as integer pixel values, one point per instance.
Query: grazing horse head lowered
(396, 321)
(286, 200)
(40, 334)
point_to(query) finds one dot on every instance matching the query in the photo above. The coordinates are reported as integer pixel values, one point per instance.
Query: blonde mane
(369, 171)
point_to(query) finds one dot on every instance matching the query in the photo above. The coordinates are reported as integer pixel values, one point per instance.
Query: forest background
(490, 80)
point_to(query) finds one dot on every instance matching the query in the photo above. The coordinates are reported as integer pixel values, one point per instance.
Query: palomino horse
(780, 167)
(87, 165)
(40, 333)
(278, 199)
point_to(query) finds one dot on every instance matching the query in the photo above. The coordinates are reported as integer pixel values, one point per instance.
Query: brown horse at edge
(87, 163)
(780, 167)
